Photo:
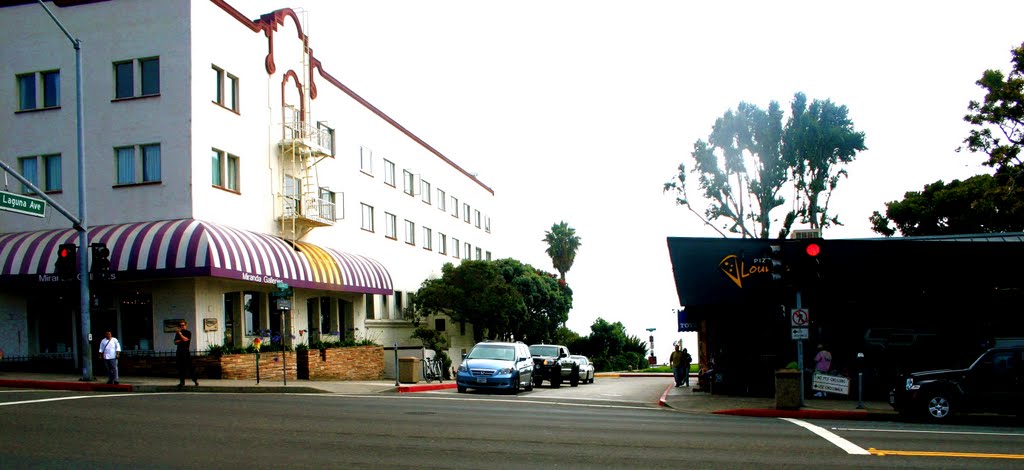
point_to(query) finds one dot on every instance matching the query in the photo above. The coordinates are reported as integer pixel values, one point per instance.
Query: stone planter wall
(354, 363)
(243, 366)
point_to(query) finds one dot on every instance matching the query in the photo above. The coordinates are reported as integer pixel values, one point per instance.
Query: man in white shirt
(110, 350)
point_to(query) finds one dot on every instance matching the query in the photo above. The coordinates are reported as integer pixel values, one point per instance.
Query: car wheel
(515, 386)
(461, 389)
(538, 381)
(938, 406)
(529, 385)
(574, 380)
(556, 378)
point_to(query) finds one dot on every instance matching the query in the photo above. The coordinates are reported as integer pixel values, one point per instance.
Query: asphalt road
(606, 425)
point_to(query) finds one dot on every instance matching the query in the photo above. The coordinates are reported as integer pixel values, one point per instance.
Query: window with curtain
(125, 165)
(27, 91)
(149, 77)
(29, 168)
(151, 163)
(52, 164)
(215, 170)
(390, 225)
(51, 89)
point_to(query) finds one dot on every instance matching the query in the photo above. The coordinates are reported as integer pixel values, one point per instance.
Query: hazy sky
(581, 110)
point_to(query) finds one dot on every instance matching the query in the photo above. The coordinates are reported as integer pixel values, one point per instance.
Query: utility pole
(85, 346)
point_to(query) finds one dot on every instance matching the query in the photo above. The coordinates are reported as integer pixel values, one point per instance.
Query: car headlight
(910, 384)
(505, 371)
(463, 368)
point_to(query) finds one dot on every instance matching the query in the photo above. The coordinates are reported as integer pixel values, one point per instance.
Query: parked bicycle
(433, 369)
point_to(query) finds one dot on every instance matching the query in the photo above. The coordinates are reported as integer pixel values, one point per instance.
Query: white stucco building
(221, 158)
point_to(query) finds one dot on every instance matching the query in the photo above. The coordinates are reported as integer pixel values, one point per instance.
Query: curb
(797, 414)
(411, 388)
(73, 386)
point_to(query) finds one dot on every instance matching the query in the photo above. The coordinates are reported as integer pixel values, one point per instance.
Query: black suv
(994, 383)
(551, 362)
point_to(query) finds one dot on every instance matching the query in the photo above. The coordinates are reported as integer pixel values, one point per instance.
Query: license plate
(481, 380)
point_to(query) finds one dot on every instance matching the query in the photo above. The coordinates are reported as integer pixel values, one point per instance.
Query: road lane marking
(921, 453)
(919, 431)
(844, 444)
(114, 395)
(424, 396)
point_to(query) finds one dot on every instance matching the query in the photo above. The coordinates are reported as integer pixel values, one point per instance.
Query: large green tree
(983, 203)
(750, 152)
(562, 246)
(974, 205)
(501, 299)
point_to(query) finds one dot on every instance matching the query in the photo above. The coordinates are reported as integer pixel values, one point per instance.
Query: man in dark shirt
(183, 339)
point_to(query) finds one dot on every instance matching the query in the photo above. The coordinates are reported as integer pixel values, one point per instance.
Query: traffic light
(100, 258)
(777, 265)
(67, 261)
(809, 261)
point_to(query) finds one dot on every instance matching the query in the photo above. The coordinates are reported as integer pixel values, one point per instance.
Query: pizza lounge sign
(736, 268)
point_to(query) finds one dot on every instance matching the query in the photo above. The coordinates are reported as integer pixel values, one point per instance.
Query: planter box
(352, 363)
(243, 366)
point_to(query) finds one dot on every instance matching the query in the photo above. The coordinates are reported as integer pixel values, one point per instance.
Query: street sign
(799, 333)
(22, 204)
(799, 317)
(831, 383)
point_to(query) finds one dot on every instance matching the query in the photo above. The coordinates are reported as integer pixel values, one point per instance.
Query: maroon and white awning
(188, 247)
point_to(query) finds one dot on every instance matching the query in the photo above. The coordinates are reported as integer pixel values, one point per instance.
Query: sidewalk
(681, 399)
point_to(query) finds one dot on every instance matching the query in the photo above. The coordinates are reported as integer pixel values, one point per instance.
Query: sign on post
(831, 383)
(22, 204)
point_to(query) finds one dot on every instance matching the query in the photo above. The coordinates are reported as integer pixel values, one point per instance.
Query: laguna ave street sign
(22, 204)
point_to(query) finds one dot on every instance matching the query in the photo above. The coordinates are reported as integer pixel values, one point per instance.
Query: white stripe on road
(844, 444)
(920, 431)
(30, 402)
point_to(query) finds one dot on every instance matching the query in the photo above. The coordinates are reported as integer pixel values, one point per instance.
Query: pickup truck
(551, 362)
(994, 383)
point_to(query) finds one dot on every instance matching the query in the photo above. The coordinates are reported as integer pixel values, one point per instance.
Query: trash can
(787, 389)
(409, 369)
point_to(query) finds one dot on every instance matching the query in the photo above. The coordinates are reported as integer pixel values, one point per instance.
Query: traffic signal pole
(85, 344)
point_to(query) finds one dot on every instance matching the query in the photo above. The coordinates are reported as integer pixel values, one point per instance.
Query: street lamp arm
(74, 42)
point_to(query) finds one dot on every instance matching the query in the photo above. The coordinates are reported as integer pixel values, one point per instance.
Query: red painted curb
(425, 388)
(73, 386)
(799, 414)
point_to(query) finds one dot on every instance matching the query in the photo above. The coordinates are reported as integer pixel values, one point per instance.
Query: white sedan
(586, 368)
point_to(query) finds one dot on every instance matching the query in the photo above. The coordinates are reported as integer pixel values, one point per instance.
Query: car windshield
(492, 351)
(544, 350)
(581, 359)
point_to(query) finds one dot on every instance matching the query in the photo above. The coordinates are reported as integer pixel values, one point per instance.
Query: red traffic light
(812, 249)
(65, 253)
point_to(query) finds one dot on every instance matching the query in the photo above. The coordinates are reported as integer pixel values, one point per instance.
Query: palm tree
(562, 245)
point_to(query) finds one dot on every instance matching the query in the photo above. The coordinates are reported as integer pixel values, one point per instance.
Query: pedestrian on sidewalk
(675, 361)
(687, 359)
(183, 339)
(822, 364)
(110, 351)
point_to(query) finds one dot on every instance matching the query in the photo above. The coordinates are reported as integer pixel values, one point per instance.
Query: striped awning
(187, 247)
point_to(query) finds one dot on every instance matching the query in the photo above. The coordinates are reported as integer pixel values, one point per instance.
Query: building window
(367, 218)
(252, 308)
(328, 205)
(439, 325)
(410, 232)
(479, 254)
(455, 207)
(476, 218)
(224, 171)
(428, 239)
(455, 248)
(292, 196)
(440, 200)
(38, 86)
(138, 164)
(487, 255)
(366, 160)
(442, 243)
(466, 254)
(487, 224)
(370, 301)
(43, 171)
(425, 190)
(390, 226)
(148, 82)
(389, 173)
(465, 212)
(226, 93)
(407, 182)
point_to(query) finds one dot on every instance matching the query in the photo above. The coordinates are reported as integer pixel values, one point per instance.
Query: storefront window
(54, 323)
(137, 322)
(251, 300)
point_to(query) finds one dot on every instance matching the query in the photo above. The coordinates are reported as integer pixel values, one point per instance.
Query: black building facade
(905, 303)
